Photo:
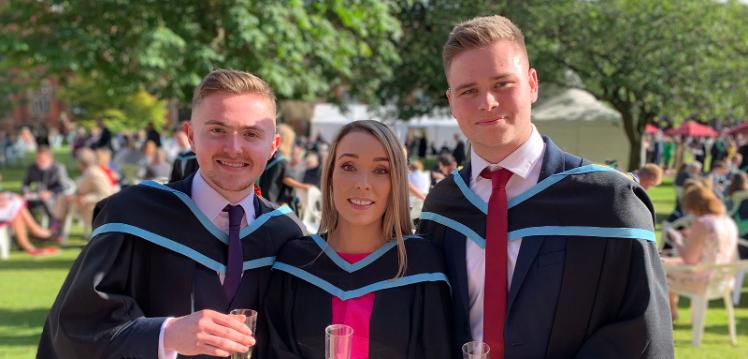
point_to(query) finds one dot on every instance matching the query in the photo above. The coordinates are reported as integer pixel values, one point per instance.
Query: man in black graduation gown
(185, 164)
(583, 276)
(166, 263)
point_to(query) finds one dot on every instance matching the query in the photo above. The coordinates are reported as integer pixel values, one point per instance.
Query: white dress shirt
(525, 164)
(210, 203)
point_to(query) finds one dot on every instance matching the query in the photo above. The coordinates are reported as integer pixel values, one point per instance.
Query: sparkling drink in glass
(475, 350)
(251, 321)
(338, 339)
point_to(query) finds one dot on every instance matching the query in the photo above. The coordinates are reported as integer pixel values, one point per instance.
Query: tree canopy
(643, 58)
(646, 58)
(304, 49)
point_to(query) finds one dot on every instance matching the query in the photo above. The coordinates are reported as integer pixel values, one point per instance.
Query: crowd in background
(109, 161)
(711, 206)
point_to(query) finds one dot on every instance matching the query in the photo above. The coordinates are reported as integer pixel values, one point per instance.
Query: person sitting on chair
(711, 239)
(13, 213)
(93, 186)
(45, 182)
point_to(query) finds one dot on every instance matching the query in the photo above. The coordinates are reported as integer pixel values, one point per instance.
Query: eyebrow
(471, 84)
(220, 123)
(353, 155)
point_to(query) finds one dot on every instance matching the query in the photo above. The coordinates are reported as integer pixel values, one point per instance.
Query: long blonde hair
(396, 221)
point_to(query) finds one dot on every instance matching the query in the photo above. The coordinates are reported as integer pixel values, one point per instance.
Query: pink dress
(720, 247)
(356, 313)
(11, 205)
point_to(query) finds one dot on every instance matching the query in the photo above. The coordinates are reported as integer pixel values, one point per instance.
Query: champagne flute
(338, 338)
(475, 350)
(251, 322)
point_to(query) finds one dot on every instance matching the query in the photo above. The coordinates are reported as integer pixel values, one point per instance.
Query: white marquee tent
(573, 118)
(582, 125)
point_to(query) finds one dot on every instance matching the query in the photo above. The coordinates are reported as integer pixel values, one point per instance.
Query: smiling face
(360, 180)
(491, 90)
(233, 136)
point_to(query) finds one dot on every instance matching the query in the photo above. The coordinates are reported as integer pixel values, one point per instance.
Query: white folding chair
(718, 286)
(311, 214)
(739, 276)
(4, 243)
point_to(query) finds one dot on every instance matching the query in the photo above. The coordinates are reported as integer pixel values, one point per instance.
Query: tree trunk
(634, 154)
(633, 135)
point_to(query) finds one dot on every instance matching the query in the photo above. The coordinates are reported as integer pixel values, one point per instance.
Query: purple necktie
(235, 256)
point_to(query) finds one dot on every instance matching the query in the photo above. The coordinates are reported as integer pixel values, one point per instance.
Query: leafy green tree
(120, 112)
(645, 58)
(304, 49)
(419, 85)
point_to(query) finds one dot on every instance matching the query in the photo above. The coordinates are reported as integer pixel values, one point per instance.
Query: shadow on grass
(661, 217)
(37, 264)
(22, 319)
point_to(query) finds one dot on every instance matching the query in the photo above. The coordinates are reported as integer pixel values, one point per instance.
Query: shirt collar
(212, 203)
(520, 162)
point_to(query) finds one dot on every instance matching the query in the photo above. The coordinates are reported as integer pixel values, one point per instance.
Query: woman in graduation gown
(364, 269)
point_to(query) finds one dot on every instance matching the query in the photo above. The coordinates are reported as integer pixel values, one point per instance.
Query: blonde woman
(711, 239)
(364, 269)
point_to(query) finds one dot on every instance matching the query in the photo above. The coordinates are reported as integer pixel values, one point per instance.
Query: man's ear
(533, 79)
(187, 128)
(275, 144)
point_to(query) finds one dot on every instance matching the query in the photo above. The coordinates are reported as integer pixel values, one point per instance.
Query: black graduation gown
(411, 315)
(271, 181)
(588, 280)
(184, 166)
(152, 255)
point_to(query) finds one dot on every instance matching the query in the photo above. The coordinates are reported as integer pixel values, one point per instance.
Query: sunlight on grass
(28, 287)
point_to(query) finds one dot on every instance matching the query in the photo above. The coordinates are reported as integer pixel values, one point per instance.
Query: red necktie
(495, 284)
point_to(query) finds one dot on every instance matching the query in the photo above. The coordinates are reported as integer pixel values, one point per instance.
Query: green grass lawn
(28, 286)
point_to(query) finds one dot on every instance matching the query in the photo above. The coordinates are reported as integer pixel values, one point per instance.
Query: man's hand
(208, 332)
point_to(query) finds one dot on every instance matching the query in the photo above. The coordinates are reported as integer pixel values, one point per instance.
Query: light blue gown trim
(355, 293)
(207, 223)
(258, 263)
(457, 226)
(482, 205)
(187, 157)
(259, 221)
(471, 196)
(344, 264)
(555, 178)
(183, 161)
(583, 231)
(606, 232)
(178, 247)
(274, 162)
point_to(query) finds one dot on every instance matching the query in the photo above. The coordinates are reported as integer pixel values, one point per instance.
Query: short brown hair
(233, 82)
(480, 32)
(700, 200)
(650, 172)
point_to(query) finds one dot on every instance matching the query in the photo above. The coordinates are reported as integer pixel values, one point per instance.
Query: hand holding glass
(475, 350)
(251, 322)
(338, 338)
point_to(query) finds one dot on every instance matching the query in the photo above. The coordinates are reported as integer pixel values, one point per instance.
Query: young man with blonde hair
(548, 256)
(166, 263)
